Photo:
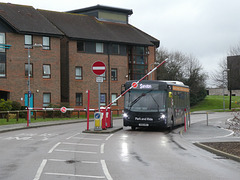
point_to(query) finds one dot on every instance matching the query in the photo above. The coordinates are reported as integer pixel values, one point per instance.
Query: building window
(26, 70)
(103, 99)
(138, 62)
(80, 46)
(115, 49)
(46, 43)
(78, 72)
(104, 76)
(2, 69)
(99, 47)
(28, 41)
(46, 99)
(46, 71)
(2, 41)
(79, 99)
(114, 96)
(114, 74)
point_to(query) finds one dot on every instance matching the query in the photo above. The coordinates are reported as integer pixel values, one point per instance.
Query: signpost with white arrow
(99, 68)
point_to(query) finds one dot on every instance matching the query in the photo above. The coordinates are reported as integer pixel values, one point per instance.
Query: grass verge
(215, 103)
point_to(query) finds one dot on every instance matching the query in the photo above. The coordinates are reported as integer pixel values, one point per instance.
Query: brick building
(72, 41)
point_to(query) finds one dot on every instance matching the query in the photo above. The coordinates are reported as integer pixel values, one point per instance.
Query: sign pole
(88, 106)
(99, 95)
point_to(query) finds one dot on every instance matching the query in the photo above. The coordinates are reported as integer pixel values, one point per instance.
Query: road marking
(56, 145)
(85, 152)
(40, 170)
(84, 162)
(94, 139)
(75, 175)
(79, 144)
(102, 148)
(92, 134)
(73, 136)
(109, 137)
(19, 138)
(105, 170)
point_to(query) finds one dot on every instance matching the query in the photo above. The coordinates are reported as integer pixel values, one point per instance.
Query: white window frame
(99, 48)
(2, 41)
(113, 97)
(46, 71)
(46, 99)
(46, 42)
(2, 69)
(28, 41)
(78, 72)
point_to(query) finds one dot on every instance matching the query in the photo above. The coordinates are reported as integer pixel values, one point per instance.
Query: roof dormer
(106, 13)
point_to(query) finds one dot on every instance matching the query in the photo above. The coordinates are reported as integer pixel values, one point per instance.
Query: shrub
(5, 105)
(16, 105)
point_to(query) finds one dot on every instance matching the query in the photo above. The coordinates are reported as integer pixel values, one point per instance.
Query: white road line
(94, 139)
(75, 175)
(40, 169)
(56, 145)
(84, 152)
(109, 137)
(102, 148)
(105, 170)
(89, 134)
(79, 144)
(73, 136)
(84, 162)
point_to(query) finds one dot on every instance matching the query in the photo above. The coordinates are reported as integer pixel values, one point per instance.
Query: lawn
(216, 103)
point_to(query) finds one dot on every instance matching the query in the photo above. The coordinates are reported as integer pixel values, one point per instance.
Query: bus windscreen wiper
(155, 102)
(138, 98)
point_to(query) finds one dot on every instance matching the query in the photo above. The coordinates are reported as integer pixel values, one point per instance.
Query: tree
(185, 68)
(219, 75)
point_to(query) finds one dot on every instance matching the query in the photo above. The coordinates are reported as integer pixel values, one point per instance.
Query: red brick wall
(89, 78)
(151, 60)
(15, 80)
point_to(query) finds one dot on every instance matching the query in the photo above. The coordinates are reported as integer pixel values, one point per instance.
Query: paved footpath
(13, 127)
(215, 130)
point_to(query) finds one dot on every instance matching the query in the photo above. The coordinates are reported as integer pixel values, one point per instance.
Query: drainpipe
(109, 74)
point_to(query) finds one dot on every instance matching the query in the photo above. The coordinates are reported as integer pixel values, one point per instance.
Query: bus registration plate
(143, 124)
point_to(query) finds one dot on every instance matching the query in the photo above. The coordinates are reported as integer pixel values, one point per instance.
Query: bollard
(98, 121)
(207, 117)
(185, 123)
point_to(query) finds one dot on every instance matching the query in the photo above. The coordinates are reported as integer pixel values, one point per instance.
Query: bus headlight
(162, 116)
(125, 115)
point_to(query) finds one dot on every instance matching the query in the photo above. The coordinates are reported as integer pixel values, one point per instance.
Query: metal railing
(46, 113)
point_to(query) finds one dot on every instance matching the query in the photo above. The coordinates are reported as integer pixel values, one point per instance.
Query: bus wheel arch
(172, 122)
(133, 128)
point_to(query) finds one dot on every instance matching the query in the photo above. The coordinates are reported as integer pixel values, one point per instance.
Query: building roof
(78, 26)
(101, 7)
(26, 19)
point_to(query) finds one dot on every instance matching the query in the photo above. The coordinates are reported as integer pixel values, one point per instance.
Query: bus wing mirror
(170, 94)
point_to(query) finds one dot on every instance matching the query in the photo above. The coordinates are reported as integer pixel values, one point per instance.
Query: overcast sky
(205, 29)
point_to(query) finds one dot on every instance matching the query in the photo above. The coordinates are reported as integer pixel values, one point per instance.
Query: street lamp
(28, 83)
(223, 88)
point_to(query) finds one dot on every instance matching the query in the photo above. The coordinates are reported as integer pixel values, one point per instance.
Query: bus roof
(157, 82)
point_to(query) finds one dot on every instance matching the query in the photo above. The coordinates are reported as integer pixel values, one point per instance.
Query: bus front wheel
(133, 128)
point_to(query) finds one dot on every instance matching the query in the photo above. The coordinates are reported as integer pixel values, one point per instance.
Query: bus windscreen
(146, 100)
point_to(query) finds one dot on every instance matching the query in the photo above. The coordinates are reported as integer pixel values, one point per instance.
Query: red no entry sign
(63, 109)
(134, 85)
(98, 67)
